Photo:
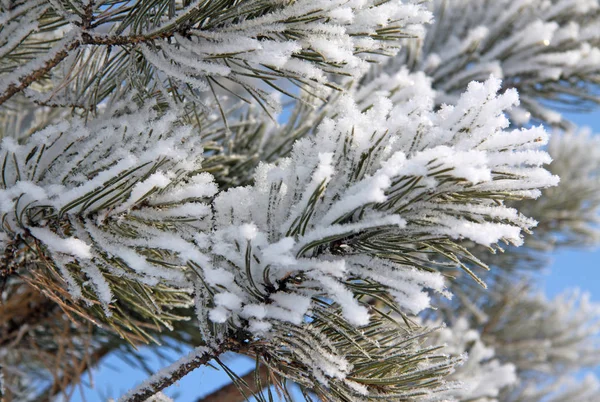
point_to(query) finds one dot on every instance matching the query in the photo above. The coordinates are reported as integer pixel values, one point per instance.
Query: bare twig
(231, 393)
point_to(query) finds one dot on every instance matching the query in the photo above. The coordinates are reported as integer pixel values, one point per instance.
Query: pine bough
(318, 259)
(375, 204)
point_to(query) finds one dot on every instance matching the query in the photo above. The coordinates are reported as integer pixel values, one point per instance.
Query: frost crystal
(545, 49)
(304, 182)
(353, 203)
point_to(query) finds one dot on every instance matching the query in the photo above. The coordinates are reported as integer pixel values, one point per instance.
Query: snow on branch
(548, 50)
(361, 204)
(240, 48)
(106, 202)
(482, 376)
(375, 204)
(304, 41)
(141, 183)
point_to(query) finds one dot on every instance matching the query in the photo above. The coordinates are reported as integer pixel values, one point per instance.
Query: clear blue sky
(575, 268)
(569, 269)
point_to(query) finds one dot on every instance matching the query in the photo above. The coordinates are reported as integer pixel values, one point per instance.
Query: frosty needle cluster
(144, 188)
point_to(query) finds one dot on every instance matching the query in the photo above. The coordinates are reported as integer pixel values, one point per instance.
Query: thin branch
(173, 373)
(231, 393)
(35, 75)
(86, 39)
(121, 40)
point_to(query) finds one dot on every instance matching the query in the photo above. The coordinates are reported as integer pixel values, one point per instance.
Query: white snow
(71, 246)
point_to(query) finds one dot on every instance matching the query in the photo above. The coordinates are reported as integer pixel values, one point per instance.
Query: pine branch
(204, 46)
(122, 40)
(321, 260)
(39, 73)
(548, 50)
(173, 373)
(344, 240)
(86, 39)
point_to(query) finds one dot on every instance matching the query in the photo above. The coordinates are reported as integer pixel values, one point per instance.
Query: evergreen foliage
(319, 185)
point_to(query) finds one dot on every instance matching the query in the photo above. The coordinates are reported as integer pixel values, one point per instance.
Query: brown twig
(231, 393)
(121, 40)
(34, 76)
(86, 39)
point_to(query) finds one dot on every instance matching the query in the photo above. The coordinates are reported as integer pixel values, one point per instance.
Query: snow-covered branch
(152, 188)
(548, 50)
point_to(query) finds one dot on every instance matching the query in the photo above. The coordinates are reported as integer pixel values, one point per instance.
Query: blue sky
(568, 269)
(575, 268)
